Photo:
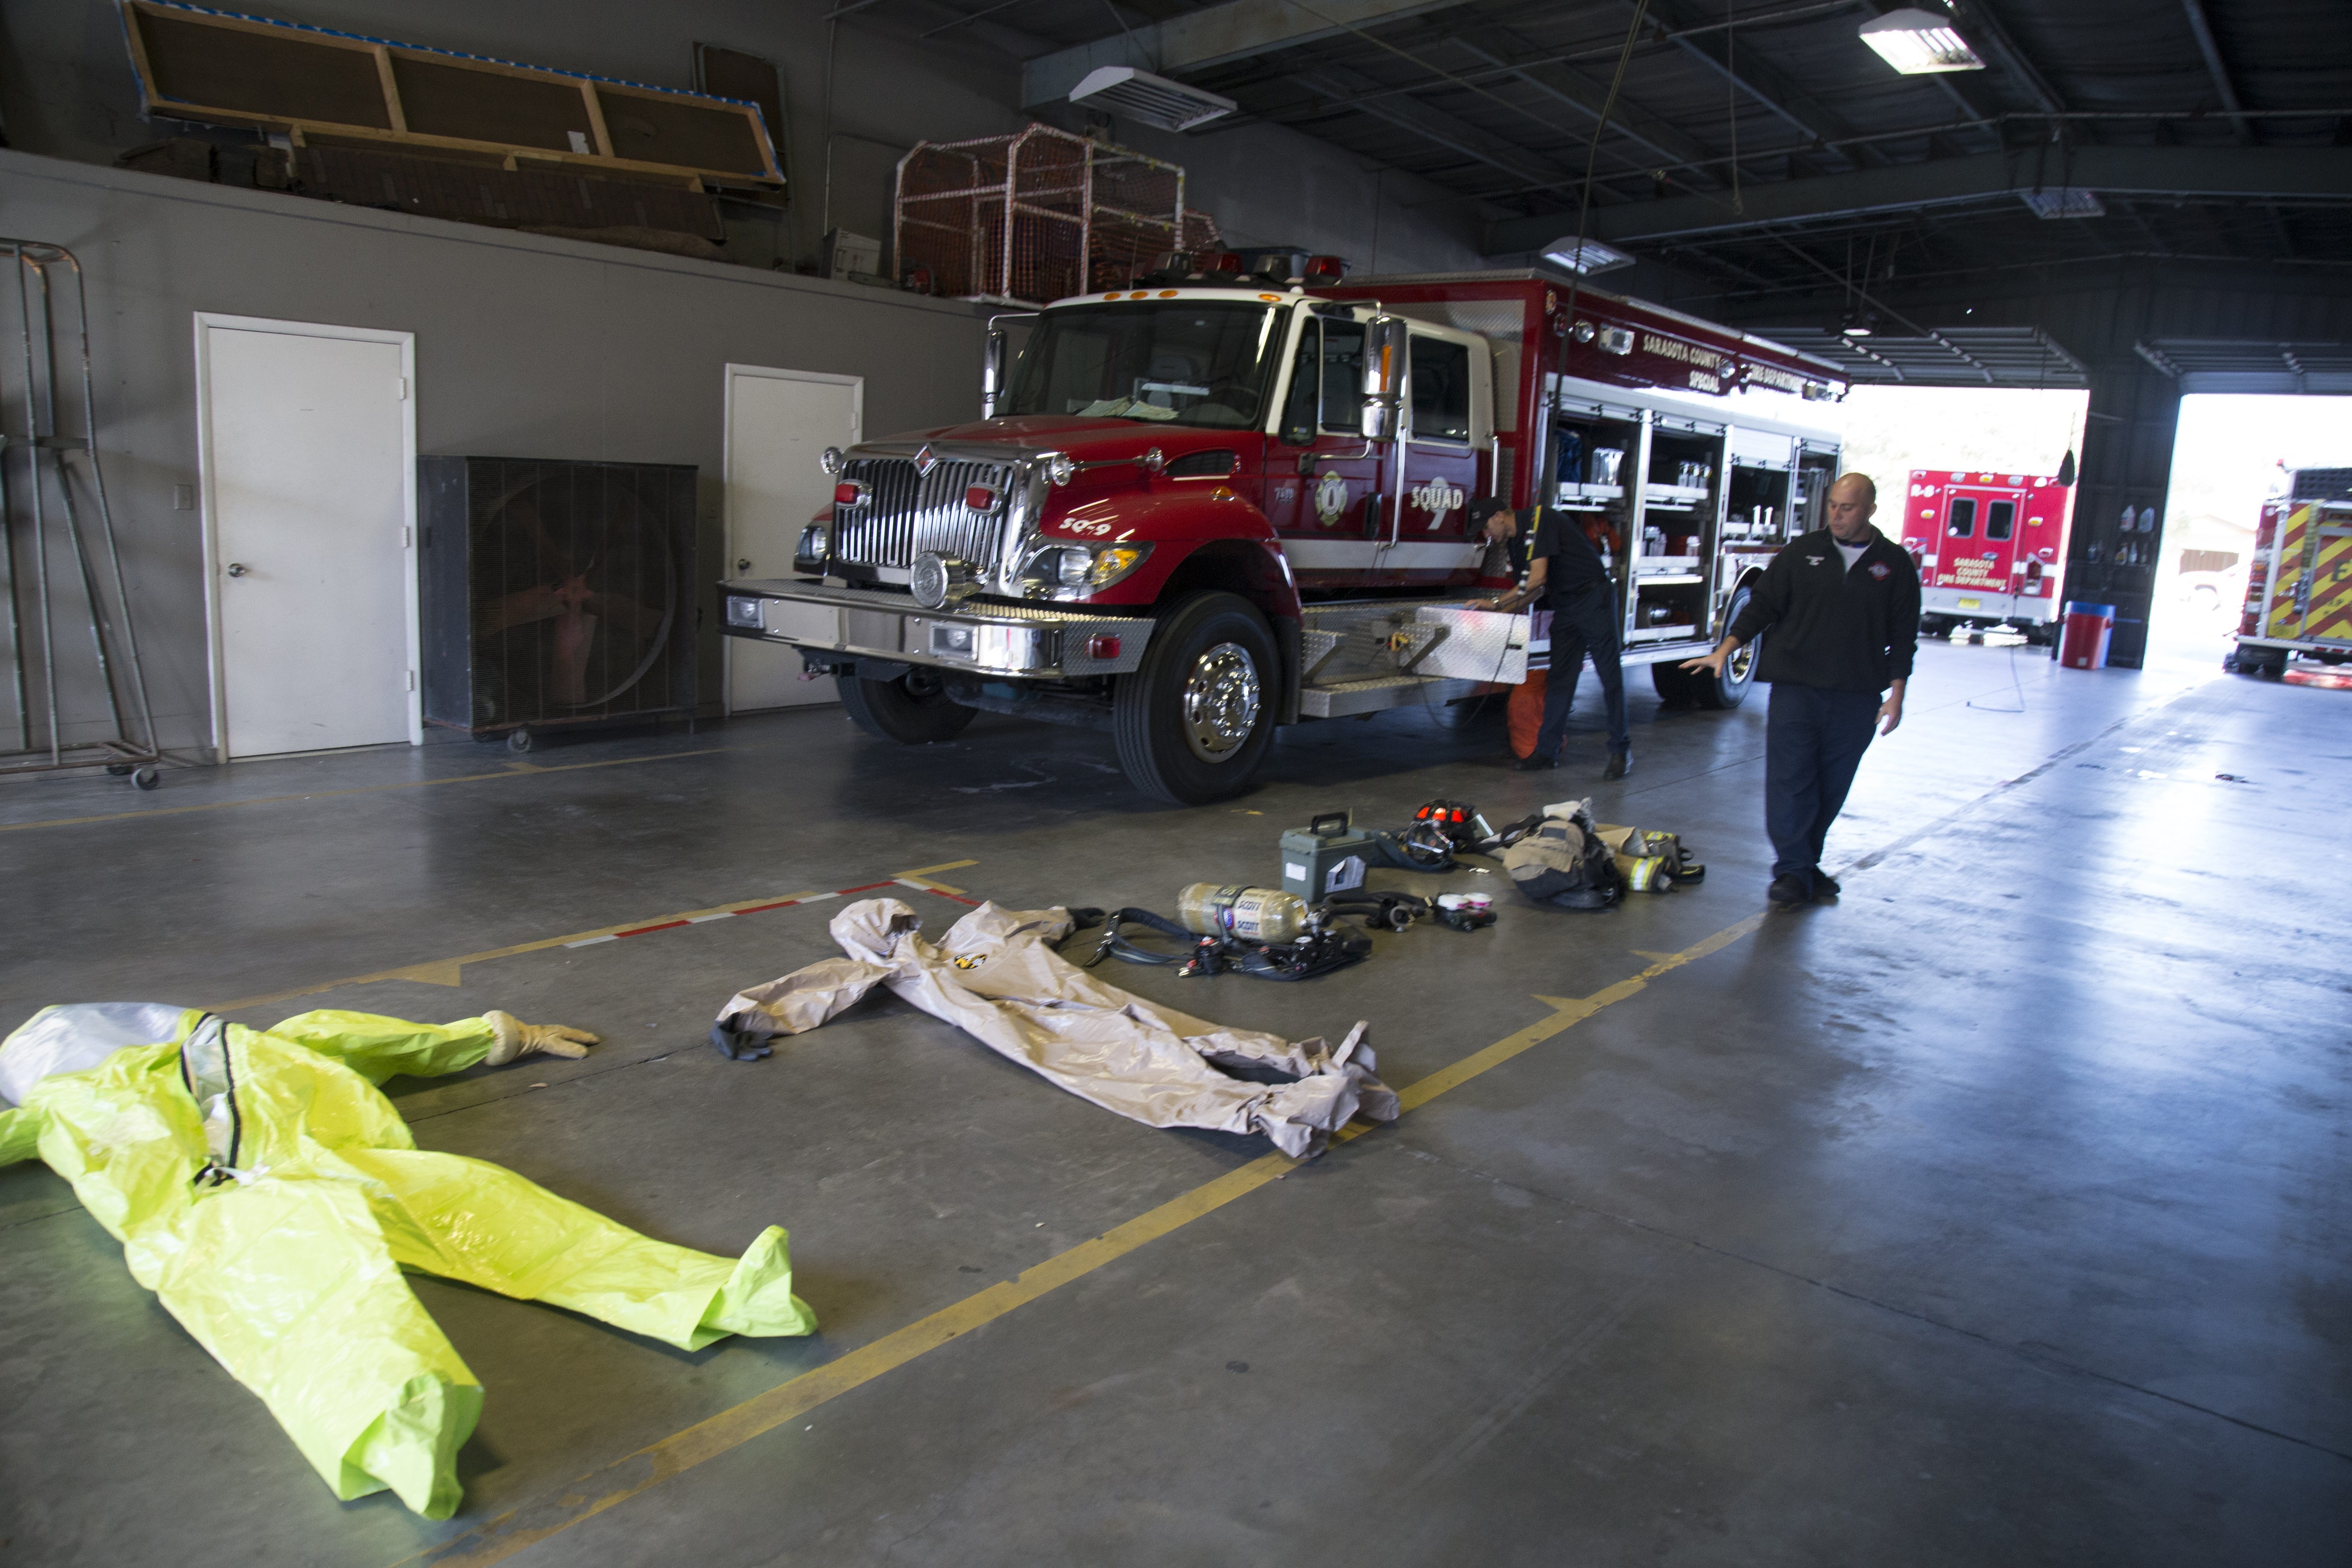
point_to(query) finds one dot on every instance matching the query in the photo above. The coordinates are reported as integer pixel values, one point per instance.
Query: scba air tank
(1252, 914)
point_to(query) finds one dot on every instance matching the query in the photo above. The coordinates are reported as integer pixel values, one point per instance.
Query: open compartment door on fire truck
(1816, 469)
(1680, 516)
(1597, 449)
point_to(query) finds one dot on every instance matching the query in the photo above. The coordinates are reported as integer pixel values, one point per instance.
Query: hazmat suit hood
(77, 1036)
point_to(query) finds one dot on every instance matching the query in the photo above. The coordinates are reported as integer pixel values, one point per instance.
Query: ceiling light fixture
(1153, 100)
(2064, 201)
(1916, 42)
(1588, 258)
(1860, 326)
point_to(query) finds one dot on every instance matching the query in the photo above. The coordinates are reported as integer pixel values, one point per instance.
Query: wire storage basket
(1036, 216)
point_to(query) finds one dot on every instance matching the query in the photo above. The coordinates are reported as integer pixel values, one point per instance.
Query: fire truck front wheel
(1193, 723)
(911, 711)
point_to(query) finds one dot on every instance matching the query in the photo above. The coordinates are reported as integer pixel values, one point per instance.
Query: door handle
(237, 569)
(743, 565)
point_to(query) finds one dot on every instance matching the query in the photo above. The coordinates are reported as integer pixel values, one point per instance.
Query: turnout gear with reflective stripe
(270, 1195)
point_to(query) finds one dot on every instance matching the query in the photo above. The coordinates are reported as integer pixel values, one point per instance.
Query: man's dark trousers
(1587, 624)
(1813, 741)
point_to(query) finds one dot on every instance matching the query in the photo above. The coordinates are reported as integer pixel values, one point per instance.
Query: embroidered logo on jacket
(1878, 568)
(1815, 559)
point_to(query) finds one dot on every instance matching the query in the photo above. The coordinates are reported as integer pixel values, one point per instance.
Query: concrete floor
(1997, 1213)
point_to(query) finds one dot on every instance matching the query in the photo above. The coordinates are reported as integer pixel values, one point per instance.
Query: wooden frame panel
(198, 63)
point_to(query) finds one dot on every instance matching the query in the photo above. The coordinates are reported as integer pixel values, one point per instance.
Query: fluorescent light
(2064, 201)
(1153, 100)
(1589, 258)
(1916, 42)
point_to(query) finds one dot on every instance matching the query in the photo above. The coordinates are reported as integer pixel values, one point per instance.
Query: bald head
(1851, 500)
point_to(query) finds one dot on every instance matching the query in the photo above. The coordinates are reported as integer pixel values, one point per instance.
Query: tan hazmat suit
(995, 975)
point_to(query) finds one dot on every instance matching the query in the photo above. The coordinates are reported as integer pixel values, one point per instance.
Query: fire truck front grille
(907, 514)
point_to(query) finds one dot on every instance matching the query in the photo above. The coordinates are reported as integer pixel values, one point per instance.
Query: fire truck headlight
(1116, 562)
(831, 460)
(815, 543)
(1071, 566)
(1061, 468)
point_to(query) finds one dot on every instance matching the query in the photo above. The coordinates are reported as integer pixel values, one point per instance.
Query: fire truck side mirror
(993, 360)
(1385, 344)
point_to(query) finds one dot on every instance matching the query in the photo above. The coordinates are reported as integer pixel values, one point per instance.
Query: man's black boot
(1824, 885)
(1620, 765)
(1791, 889)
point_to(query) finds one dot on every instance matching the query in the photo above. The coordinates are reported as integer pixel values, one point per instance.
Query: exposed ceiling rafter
(2244, 173)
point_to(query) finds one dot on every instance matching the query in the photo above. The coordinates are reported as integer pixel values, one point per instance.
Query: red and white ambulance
(1992, 548)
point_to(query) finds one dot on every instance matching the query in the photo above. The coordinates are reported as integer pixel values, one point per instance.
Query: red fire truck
(1990, 548)
(1234, 494)
(2299, 591)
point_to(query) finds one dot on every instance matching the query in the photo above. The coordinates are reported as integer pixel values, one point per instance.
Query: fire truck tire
(1676, 686)
(1193, 723)
(1730, 688)
(911, 710)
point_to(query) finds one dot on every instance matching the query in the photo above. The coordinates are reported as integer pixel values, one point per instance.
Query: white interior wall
(526, 347)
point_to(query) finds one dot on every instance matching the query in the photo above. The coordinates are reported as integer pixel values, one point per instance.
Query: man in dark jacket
(1842, 607)
(1565, 575)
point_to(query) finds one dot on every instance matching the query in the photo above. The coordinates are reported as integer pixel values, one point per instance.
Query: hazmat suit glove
(517, 1038)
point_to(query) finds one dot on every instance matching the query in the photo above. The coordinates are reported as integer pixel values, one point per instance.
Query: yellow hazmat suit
(270, 1195)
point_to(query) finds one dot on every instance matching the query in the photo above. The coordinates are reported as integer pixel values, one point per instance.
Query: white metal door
(307, 453)
(777, 422)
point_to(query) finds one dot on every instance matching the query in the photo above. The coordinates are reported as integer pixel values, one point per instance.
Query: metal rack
(91, 591)
(1036, 216)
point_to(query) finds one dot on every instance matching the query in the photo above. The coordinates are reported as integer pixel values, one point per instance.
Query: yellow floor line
(498, 1539)
(512, 770)
(449, 971)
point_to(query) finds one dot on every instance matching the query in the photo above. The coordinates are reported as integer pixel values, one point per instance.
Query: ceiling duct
(1153, 100)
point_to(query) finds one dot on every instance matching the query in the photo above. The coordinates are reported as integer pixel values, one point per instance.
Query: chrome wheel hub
(1743, 660)
(1221, 702)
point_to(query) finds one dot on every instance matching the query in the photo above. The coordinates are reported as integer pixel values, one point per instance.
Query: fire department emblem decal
(1878, 570)
(925, 460)
(1331, 498)
(1437, 498)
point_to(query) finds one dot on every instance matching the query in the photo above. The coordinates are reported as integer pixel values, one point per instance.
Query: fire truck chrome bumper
(985, 639)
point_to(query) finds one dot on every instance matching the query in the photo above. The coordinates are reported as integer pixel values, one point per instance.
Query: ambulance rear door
(1977, 561)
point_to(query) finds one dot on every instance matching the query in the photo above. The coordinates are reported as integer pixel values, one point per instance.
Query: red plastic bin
(2088, 627)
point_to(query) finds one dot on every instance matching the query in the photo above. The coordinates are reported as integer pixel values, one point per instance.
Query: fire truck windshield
(1185, 362)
